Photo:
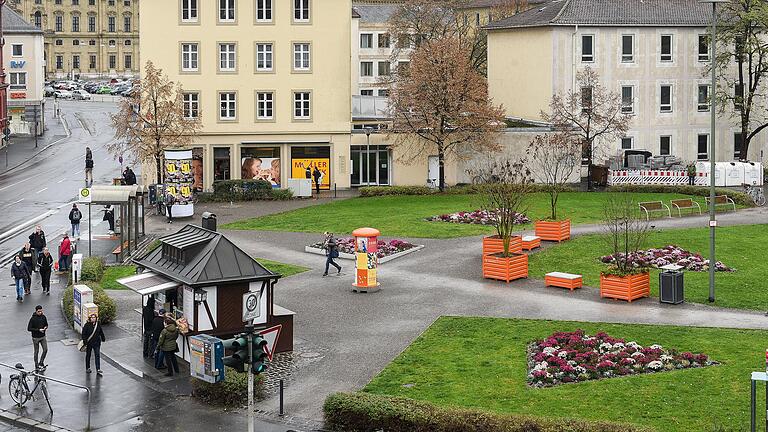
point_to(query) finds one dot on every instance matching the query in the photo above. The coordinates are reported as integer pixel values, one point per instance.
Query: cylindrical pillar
(366, 260)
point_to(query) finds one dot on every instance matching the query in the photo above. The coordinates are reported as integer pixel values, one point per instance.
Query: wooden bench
(722, 200)
(118, 250)
(651, 206)
(562, 280)
(531, 242)
(685, 203)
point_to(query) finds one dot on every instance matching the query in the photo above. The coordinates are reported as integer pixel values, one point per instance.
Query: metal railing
(47, 378)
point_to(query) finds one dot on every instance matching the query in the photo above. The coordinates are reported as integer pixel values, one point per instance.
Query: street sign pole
(249, 336)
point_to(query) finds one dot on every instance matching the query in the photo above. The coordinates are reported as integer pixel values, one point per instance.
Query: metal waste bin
(671, 284)
(209, 221)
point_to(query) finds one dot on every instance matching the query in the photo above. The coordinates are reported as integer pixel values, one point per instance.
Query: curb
(67, 135)
(28, 423)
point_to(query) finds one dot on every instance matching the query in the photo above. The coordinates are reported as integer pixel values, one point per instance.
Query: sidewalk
(22, 148)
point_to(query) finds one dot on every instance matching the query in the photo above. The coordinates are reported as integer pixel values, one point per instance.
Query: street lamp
(368, 131)
(712, 221)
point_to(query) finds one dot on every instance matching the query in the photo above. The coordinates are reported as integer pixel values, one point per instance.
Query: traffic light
(239, 357)
(258, 354)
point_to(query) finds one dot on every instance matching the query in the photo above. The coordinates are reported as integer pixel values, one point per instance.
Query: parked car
(81, 95)
(49, 90)
(62, 94)
(104, 90)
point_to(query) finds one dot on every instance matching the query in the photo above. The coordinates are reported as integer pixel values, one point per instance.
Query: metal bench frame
(693, 205)
(648, 212)
(728, 201)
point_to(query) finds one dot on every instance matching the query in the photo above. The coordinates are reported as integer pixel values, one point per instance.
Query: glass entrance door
(370, 166)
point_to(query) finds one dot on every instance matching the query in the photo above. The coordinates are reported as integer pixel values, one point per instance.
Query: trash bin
(671, 284)
(209, 221)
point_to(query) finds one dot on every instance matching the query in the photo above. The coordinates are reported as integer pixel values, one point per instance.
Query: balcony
(369, 107)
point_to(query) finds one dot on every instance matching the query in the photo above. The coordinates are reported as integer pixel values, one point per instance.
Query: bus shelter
(128, 205)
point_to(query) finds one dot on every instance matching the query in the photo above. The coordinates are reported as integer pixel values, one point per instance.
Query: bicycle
(756, 193)
(19, 386)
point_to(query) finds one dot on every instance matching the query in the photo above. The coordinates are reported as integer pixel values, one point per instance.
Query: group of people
(35, 257)
(160, 334)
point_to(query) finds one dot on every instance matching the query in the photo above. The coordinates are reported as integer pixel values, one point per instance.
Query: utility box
(671, 284)
(209, 221)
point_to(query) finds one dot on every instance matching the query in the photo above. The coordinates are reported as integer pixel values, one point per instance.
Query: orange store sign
(18, 95)
(299, 167)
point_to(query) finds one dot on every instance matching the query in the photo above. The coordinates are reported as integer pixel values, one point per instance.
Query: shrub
(93, 269)
(739, 198)
(107, 306)
(247, 190)
(372, 191)
(232, 392)
(363, 412)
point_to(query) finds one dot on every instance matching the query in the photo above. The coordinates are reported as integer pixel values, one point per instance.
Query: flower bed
(385, 248)
(668, 255)
(477, 217)
(567, 357)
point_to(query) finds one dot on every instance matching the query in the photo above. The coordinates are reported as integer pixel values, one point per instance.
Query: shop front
(371, 165)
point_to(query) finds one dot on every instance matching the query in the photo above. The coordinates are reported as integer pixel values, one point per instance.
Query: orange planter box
(531, 242)
(630, 287)
(494, 244)
(505, 269)
(553, 230)
(563, 280)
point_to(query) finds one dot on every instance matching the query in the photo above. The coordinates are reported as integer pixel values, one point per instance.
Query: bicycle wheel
(760, 200)
(17, 391)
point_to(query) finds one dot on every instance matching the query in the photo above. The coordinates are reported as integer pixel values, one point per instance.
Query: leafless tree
(554, 158)
(625, 231)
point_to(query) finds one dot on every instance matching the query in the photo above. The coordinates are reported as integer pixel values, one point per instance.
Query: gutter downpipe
(573, 58)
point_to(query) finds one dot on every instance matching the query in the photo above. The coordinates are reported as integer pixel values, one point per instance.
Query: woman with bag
(167, 344)
(93, 336)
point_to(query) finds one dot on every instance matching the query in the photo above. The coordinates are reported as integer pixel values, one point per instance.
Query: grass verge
(113, 273)
(282, 268)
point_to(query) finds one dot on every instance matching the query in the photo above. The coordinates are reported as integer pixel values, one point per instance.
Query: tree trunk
(159, 167)
(441, 165)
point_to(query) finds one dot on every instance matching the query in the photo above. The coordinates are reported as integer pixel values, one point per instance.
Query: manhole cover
(310, 355)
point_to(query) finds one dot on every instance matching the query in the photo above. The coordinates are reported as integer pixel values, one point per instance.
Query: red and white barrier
(655, 177)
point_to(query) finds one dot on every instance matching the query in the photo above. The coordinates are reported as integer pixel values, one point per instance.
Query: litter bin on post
(671, 284)
(366, 261)
(209, 221)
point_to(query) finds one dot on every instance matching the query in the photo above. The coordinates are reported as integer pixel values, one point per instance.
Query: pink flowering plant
(670, 254)
(477, 217)
(385, 248)
(566, 357)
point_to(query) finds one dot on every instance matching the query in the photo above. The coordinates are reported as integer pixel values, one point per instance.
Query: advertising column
(179, 181)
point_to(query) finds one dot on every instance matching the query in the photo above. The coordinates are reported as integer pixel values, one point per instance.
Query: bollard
(281, 398)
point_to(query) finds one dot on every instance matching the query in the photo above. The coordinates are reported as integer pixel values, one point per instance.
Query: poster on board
(261, 168)
(179, 181)
(299, 169)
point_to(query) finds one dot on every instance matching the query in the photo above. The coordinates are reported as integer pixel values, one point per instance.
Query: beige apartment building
(655, 53)
(86, 38)
(270, 81)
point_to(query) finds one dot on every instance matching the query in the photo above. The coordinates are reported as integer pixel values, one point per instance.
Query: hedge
(107, 306)
(232, 392)
(738, 197)
(373, 191)
(245, 190)
(364, 412)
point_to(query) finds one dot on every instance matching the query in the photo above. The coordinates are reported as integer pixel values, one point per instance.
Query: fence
(655, 177)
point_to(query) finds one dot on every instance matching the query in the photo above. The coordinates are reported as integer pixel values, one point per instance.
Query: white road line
(41, 190)
(79, 172)
(14, 184)
(16, 202)
(61, 180)
(18, 228)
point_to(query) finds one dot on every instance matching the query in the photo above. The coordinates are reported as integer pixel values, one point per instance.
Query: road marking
(79, 172)
(41, 190)
(16, 202)
(20, 227)
(14, 184)
(61, 180)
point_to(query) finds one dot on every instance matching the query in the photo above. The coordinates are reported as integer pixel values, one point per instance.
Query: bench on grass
(722, 200)
(118, 250)
(685, 203)
(562, 280)
(651, 206)
(531, 242)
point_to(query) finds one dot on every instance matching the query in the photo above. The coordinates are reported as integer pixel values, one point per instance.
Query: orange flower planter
(505, 269)
(553, 230)
(630, 287)
(494, 244)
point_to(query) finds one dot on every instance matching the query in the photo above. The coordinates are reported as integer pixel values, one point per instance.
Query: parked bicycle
(756, 193)
(23, 386)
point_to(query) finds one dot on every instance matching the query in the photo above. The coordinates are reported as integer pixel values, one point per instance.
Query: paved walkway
(22, 148)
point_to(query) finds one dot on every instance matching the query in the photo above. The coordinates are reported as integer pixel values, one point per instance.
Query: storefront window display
(197, 168)
(221, 163)
(320, 157)
(261, 163)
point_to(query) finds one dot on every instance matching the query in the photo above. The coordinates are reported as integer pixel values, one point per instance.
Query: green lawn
(736, 246)
(112, 273)
(403, 216)
(481, 363)
(281, 268)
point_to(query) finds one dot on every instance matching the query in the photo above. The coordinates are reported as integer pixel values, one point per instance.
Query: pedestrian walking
(331, 252)
(317, 175)
(167, 344)
(147, 315)
(46, 267)
(38, 325)
(19, 273)
(158, 325)
(691, 170)
(74, 218)
(37, 240)
(65, 250)
(28, 257)
(88, 167)
(109, 216)
(93, 336)
(169, 201)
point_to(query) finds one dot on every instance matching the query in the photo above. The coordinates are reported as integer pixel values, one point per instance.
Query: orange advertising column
(366, 261)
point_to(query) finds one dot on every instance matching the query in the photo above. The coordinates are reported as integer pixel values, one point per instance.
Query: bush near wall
(364, 412)
(739, 198)
(232, 392)
(107, 306)
(245, 190)
(93, 269)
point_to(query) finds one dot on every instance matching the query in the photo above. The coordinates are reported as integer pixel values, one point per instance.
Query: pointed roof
(14, 23)
(209, 258)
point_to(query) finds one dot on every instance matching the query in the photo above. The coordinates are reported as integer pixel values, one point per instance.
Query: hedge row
(372, 191)
(363, 412)
(232, 392)
(738, 197)
(107, 306)
(245, 190)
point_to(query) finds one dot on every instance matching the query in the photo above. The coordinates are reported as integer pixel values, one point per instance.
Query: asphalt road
(45, 186)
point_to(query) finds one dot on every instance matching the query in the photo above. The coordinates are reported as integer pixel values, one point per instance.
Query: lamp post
(3, 85)
(712, 221)
(368, 131)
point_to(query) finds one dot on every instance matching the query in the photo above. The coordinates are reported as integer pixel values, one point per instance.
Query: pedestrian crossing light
(258, 354)
(239, 357)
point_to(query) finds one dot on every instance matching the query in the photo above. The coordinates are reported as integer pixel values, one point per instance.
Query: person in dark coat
(109, 216)
(170, 200)
(88, 167)
(167, 344)
(147, 315)
(28, 257)
(317, 175)
(38, 325)
(37, 240)
(19, 273)
(46, 267)
(308, 173)
(332, 251)
(129, 177)
(158, 324)
(74, 218)
(93, 336)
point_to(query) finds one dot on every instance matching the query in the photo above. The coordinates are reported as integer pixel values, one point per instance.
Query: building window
(128, 61)
(189, 10)
(75, 2)
(703, 48)
(58, 2)
(627, 100)
(75, 42)
(738, 96)
(59, 42)
(703, 99)
(17, 50)
(91, 2)
(264, 10)
(301, 10)
(110, 2)
(384, 92)
(92, 61)
(221, 163)
(265, 105)
(112, 61)
(264, 57)
(702, 147)
(91, 24)
(402, 67)
(127, 42)
(226, 10)
(383, 40)
(189, 57)
(59, 62)
(738, 144)
(227, 107)
(38, 19)
(368, 92)
(191, 105)
(112, 43)
(627, 48)
(665, 145)
(383, 68)
(301, 105)
(59, 26)
(626, 143)
(227, 60)
(366, 40)
(587, 48)
(366, 69)
(75, 61)
(92, 42)
(301, 56)
(127, 3)
(75, 23)
(586, 99)
(666, 48)
(18, 80)
(127, 24)
(665, 103)
(111, 24)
